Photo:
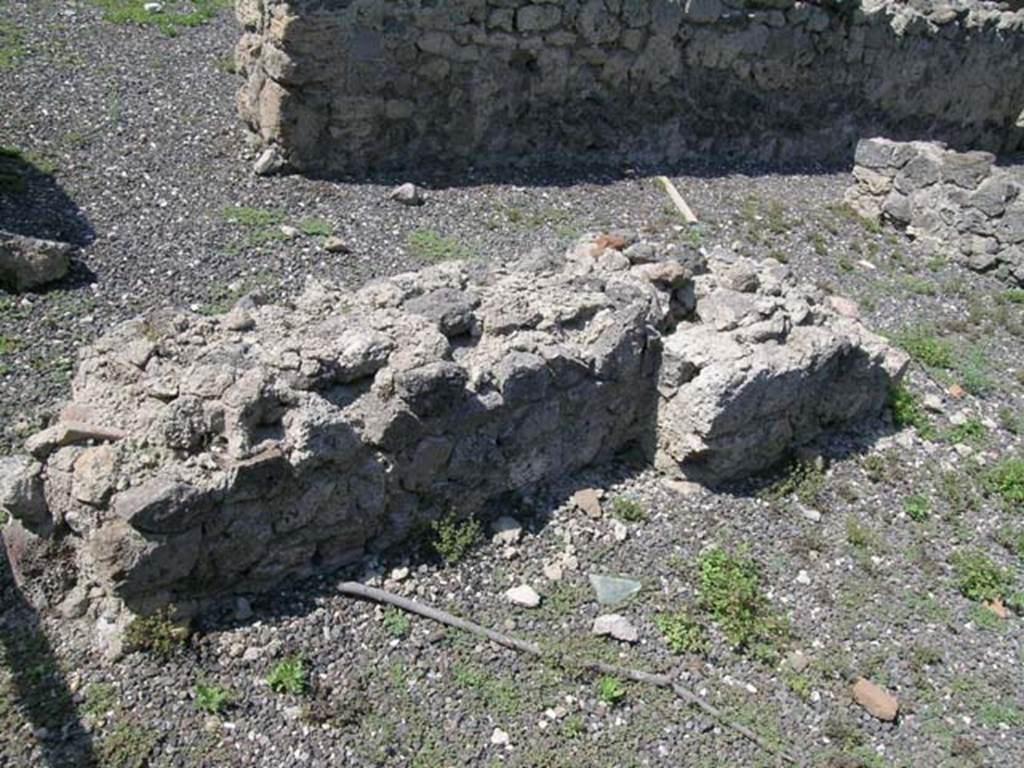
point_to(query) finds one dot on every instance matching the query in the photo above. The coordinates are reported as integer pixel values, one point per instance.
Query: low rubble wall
(349, 86)
(206, 456)
(959, 204)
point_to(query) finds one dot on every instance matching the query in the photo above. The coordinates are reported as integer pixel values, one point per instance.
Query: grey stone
(924, 170)
(704, 11)
(94, 475)
(966, 169)
(898, 208)
(42, 444)
(408, 194)
(432, 389)
(616, 626)
(524, 595)
(269, 163)
(451, 309)
(239, 319)
(538, 18)
(21, 491)
(27, 263)
(243, 609)
(993, 194)
(161, 506)
(588, 501)
(336, 245)
(506, 530)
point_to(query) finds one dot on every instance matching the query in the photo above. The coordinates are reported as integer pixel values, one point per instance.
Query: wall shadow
(40, 694)
(540, 172)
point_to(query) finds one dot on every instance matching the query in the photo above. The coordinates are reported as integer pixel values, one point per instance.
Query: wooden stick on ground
(677, 200)
(354, 589)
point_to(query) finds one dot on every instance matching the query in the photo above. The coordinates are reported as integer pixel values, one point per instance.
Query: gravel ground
(138, 157)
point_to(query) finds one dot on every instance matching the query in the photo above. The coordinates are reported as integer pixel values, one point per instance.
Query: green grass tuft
(251, 217)
(907, 411)
(316, 227)
(10, 45)
(430, 246)
(927, 348)
(175, 14)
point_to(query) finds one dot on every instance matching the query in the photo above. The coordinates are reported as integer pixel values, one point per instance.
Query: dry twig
(354, 589)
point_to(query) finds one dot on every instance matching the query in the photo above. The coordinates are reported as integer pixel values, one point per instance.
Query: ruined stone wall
(958, 204)
(204, 456)
(349, 86)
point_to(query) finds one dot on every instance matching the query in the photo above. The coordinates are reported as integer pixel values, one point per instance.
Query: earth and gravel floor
(869, 553)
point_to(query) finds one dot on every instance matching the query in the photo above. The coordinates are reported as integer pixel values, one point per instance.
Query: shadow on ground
(33, 203)
(34, 694)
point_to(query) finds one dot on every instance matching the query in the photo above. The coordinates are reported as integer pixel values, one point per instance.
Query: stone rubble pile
(206, 456)
(957, 203)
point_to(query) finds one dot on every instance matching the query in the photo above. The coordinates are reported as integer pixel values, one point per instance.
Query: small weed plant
(290, 675)
(858, 535)
(454, 536)
(1005, 481)
(1012, 539)
(917, 508)
(730, 591)
(805, 480)
(927, 348)
(628, 509)
(251, 217)
(683, 633)
(980, 579)
(396, 623)
(906, 411)
(156, 634)
(212, 699)
(611, 691)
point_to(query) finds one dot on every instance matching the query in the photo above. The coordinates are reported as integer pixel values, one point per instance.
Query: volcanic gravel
(138, 157)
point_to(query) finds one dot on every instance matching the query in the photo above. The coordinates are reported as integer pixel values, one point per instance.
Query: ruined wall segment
(207, 456)
(957, 204)
(350, 86)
